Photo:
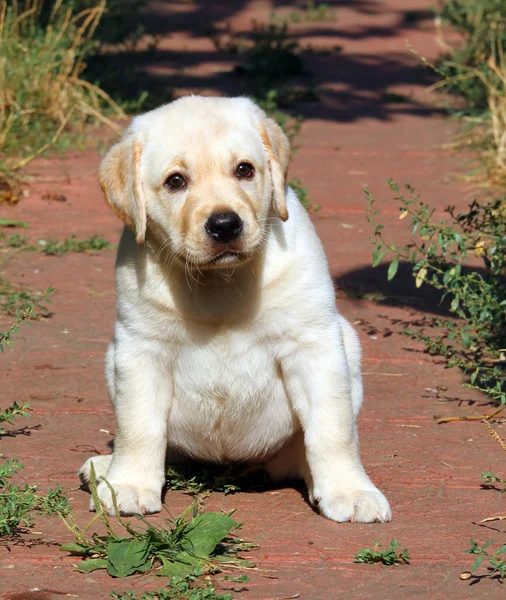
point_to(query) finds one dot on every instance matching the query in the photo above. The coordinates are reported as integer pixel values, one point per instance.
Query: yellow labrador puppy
(227, 344)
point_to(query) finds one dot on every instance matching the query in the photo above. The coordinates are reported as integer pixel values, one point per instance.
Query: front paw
(130, 499)
(101, 465)
(355, 505)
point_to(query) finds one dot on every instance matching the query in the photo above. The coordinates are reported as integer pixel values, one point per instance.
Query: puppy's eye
(245, 171)
(176, 182)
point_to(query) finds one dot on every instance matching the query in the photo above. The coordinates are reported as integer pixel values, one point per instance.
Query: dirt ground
(351, 138)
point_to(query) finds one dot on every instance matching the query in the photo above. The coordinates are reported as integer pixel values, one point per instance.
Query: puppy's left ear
(120, 180)
(278, 151)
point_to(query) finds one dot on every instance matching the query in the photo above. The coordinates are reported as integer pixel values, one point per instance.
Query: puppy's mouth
(227, 258)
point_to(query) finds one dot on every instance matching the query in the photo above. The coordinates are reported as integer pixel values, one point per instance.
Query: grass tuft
(393, 555)
(16, 300)
(18, 505)
(44, 101)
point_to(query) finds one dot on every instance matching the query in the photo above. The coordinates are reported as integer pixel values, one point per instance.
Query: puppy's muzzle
(224, 228)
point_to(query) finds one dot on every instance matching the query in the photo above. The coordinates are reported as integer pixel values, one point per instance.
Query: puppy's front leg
(318, 381)
(140, 387)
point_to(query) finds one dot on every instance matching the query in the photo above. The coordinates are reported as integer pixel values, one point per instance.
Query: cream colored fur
(231, 357)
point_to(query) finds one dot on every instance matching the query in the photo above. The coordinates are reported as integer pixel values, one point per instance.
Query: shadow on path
(351, 85)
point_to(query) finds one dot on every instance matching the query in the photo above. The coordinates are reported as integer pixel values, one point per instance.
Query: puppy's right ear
(120, 179)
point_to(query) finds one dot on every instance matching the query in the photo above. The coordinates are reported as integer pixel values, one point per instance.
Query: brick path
(430, 473)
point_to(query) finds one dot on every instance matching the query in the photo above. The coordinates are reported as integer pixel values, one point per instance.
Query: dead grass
(487, 134)
(44, 102)
(484, 135)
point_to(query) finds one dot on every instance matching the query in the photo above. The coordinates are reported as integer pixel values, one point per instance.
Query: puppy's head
(204, 175)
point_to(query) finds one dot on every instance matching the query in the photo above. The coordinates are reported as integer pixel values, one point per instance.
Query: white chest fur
(229, 402)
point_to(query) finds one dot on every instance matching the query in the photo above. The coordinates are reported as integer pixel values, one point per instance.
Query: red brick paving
(430, 473)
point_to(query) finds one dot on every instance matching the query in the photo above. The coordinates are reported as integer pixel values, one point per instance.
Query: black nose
(224, 227)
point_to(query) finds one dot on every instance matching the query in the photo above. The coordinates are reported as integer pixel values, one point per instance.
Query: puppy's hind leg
(291, 463)
(101, 464)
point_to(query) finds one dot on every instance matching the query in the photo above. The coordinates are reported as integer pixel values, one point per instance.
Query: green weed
(393, 555)
(5, 336)
(303, 195)
(311, 13)
(10, 223)
(270, 55)
(11, 413)
(475, 338)
(18, 505)
(179, 548)
(270, 63)
(15, 300)
(54, 247)
(17, 241)
(496, 559)
(198, 478)
(491, 481)
(177, 590)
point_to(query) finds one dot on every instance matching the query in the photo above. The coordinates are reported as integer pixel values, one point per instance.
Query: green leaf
(206, 532)
(92, 564)
(466, 339)
(392, 269)
(477, 563)
(126, 556)
(74, 548)
(379, 258)
(182, 567)
(9, 223)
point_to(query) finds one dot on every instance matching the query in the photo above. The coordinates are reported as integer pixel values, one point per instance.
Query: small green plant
(17, 241)
(303, 195)
(491, 481)
(496, 559)
(474, 339)
(270, 54)
(54, 247)
(18, 505)
(177, 589)
(5, 336)
(312, 12)
(179, 548)
(11, 223)
(11, 413)
(393, 555)
(25, 304)
(199, 478)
